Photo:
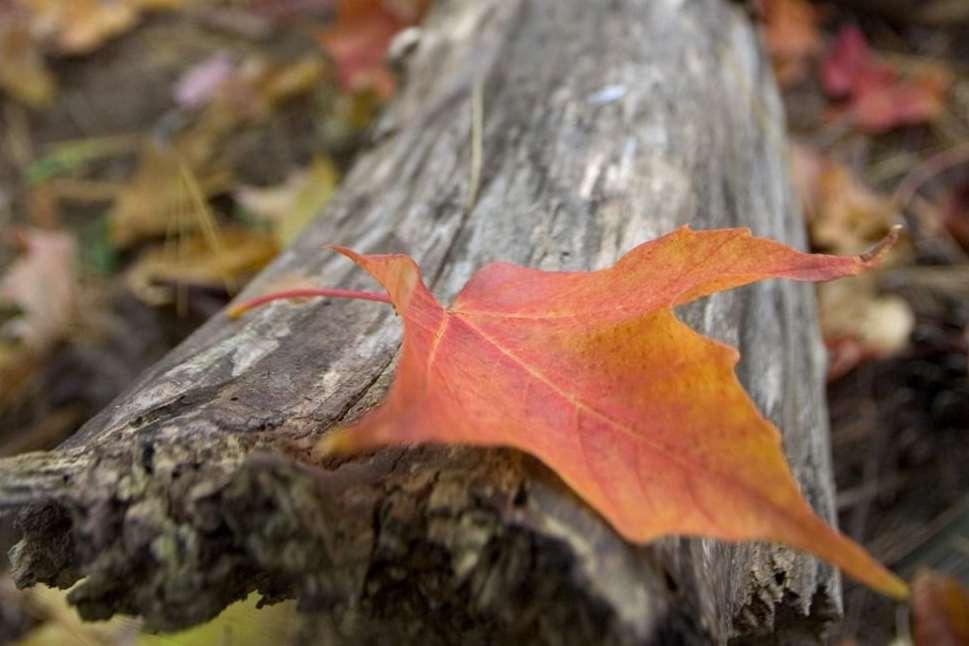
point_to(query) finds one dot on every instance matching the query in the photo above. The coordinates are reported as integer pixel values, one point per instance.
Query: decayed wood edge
(604, 125)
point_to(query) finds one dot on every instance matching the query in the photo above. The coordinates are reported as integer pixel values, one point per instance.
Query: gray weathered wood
(605, 124)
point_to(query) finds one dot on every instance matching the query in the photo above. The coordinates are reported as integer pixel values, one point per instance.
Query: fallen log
(601, 125)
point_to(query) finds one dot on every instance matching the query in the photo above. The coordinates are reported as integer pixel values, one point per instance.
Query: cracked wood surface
(605, 125)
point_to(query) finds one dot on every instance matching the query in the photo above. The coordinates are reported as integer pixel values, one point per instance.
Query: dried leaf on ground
(243, 623)
(859, 325)
(228, 260)
(160, 198)
(39, 296)
(592, 373)
(81, 26)
(23, 73)
(43, 286)
(844, 216)
(940, 610)
(876, 97)
(174, 179)
(289, 206)
(792, 37)
(256, 87)
(359, 37)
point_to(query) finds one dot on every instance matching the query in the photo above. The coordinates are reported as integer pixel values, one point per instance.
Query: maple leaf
(592, 373)
(877, 97)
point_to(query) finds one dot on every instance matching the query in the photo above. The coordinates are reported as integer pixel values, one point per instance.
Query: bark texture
(605, 124)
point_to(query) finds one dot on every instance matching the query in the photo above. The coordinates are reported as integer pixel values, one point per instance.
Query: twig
(477, 142)
(239, 309)
(928, 169)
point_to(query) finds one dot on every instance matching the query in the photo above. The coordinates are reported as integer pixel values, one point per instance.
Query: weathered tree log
(605, 124)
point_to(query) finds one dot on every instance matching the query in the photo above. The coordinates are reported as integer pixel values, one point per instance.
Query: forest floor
(155, 154)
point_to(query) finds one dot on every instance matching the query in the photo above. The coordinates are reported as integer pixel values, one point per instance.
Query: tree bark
(605, 124)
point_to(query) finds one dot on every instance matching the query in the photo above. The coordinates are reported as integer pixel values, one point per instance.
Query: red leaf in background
(845, 62)
(940, 610)
(359, 37)
(876, 97)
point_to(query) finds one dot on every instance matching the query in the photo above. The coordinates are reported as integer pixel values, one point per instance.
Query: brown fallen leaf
(940, 610)
(791, 35)
(257, 86)
(174, 179)
(39, 292)
(844, 216)
(592, 373)
(23, 73)
(289, 206)
(43, 286)
(236, 255)
(170, 185)
(858, 324)
(81, 26)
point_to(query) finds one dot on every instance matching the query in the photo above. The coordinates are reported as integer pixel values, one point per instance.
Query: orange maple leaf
(592, 373)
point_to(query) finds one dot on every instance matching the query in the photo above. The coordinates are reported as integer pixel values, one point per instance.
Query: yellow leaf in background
(62, 627)
(256, 86)
(859, 324)
(289, 206)
(17, 366)
(23, 73)
(844, 216)
(158, 200)
(237, 254)
(294, 79)
(241, 624)
(81, 26)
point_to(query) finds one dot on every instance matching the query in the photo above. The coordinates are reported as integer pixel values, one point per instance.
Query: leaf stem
(239, 309)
